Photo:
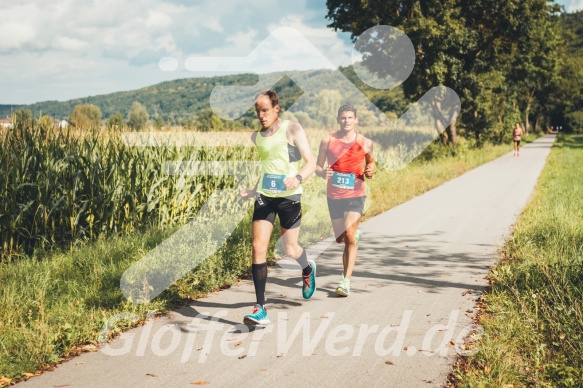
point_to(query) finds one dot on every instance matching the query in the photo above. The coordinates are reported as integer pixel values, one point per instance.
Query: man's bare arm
(320, 170)
(299, 139)
(370, 168)
(250, 193)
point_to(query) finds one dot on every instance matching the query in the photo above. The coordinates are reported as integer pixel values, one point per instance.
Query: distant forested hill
(184, 99)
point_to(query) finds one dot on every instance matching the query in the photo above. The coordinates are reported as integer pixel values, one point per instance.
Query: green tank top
(279, 160)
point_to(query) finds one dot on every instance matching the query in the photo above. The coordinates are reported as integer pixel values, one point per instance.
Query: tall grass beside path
(533, 315)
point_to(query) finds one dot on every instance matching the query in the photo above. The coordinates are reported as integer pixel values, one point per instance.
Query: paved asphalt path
(421, 266)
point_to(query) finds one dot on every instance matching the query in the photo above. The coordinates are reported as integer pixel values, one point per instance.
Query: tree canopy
(499, 56)
(86, 116)
(138, 116)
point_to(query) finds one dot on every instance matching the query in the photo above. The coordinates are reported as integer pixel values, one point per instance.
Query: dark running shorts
(289, 210)
(337, 207)
(517, 142)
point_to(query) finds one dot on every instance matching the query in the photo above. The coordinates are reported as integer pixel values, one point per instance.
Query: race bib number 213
(343, 180)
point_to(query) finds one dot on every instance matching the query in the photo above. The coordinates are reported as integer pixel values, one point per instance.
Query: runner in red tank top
(349, 157)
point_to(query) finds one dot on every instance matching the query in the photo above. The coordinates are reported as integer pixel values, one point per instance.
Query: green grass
(55, 302)
(533, 318)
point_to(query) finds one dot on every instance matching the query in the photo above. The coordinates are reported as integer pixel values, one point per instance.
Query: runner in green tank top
(281, 144)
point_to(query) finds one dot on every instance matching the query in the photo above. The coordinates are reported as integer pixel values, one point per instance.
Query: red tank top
(347, 158)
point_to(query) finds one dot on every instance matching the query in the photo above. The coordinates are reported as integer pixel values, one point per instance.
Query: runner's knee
(293, 250)
(259, 248)
(350, 237)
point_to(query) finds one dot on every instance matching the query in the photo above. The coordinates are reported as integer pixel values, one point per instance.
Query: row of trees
(85, 116)
(89, 116)
(185, 102)
(504, 59)
(569, 97)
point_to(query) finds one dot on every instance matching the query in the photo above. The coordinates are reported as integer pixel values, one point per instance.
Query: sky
(67, 49)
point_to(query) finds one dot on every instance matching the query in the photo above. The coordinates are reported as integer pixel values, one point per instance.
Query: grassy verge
(55, 303)
(533, 319)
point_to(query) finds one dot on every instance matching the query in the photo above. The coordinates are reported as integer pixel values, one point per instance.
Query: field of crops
(61, 187)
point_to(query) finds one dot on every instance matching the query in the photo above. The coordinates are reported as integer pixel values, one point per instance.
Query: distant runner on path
(516, 136)
(282, 145)
(350, 159)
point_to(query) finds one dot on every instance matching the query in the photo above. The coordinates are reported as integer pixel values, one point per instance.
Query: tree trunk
(526, 123)
(529, 101)
(444, 138)
(451, 131)
(502, 129)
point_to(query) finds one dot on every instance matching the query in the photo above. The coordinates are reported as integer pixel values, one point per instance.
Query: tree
(23, 120)
(116, 122)
(566, 100)
(208, 121)
(188, 123)
(85, 116)
(158, 122)
(328, 102)
(138, 116)
(366, 118)
(304, 119)
(46, 123)
(457, 44)
(536, 67)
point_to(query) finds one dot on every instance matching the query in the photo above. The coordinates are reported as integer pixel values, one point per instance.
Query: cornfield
(60, 187)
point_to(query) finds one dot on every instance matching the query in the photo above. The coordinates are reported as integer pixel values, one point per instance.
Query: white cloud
(66, 48)
(324, 39)
(575, 5)
(157, 19)
(240, 43)
(69, 44)
(15, 35)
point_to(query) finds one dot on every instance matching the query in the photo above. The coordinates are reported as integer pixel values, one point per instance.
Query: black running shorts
(289, 210)
(337, 207)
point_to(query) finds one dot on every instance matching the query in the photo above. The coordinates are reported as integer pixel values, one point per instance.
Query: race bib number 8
(343, 180)
(273, 183)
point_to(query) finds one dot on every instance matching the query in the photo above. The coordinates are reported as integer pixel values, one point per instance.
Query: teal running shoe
(357, 235)
(344, 287)
(309, 282)
(257, 317)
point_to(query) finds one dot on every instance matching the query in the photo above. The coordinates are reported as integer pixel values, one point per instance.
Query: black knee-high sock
(303, 262)
(259, 272)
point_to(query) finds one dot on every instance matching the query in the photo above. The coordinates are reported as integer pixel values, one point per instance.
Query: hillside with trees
(186, 101)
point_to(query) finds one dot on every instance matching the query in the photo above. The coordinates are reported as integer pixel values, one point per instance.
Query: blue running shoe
(257, 317)
(309, 282)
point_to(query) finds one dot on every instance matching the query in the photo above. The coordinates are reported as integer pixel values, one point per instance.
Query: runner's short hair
(269, 93)
(346, 108)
